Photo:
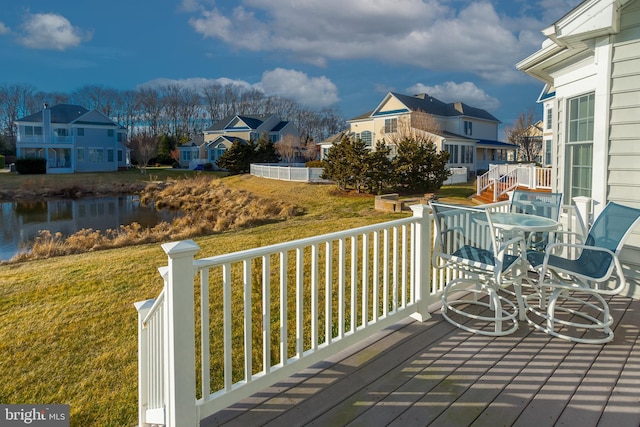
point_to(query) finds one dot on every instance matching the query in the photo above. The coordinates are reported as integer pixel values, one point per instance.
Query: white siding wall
(624, 140)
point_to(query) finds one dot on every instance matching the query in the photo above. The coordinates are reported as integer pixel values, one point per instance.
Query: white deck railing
(504, 178)
(270, 312)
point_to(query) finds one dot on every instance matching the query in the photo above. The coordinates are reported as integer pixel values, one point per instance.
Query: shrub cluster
(31, 165)
(2, 163)
(416, 166)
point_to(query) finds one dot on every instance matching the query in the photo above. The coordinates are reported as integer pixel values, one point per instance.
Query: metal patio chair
(465, 241)
(582, 274)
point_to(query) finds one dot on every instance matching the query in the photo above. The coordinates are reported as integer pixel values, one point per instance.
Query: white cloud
(431, 34)
(51, 31)
(296, 85)
(466, 92)
(315, 92)
(3, 28)
(197, 83)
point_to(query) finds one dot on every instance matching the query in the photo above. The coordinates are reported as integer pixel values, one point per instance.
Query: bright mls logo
(34, 415)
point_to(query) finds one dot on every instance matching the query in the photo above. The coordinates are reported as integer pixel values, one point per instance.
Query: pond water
(21, 221)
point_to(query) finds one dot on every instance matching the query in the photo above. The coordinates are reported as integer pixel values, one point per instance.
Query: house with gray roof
(469, 134)
(235, 128)
(73, 139)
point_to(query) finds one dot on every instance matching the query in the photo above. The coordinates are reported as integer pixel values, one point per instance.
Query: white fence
(294, 172)
(264, 314)
(458, 176)
(504, 178)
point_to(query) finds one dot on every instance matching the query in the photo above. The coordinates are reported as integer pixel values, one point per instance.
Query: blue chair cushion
(483, 256)
(594, 264)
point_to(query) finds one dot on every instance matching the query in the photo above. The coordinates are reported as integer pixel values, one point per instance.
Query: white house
(221, 136)
(590, 64)
(73, 139)
(468, 133)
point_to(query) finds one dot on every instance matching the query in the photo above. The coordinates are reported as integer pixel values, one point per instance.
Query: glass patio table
(511, 224)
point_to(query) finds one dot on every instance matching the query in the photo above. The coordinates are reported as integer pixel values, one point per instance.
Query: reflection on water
(21, 221)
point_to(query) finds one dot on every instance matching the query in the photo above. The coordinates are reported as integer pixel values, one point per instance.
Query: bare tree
(288, 148)
(144, 147)
(527, 136)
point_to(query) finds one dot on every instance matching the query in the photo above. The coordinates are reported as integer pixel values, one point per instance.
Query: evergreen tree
(346, 164)
(237, 159)
(419, 166)
(265, 151)
(379, 173)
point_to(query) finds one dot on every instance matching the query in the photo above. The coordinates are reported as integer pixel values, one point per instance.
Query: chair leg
(552, 324)
(504, 312)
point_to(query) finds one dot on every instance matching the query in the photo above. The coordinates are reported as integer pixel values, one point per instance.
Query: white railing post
(583, 207)
(143, 308)
(422, 262)
(180, 335)
(533, 178)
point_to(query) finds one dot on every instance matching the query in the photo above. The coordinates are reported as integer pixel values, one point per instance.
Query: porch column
(422, 262)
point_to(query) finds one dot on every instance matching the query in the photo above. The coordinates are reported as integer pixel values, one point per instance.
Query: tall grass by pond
(68, 326)
(208, 207)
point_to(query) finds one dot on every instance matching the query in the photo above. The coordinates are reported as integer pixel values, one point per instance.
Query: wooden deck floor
(431, 373)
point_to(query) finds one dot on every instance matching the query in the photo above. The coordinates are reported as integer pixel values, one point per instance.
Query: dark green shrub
(2, 163)
(175, 165)
(31, 165)
(314, 164)
(207, 167)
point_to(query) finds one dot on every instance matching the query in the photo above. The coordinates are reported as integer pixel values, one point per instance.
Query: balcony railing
(40, 139)
(508, 177)
(263, 314)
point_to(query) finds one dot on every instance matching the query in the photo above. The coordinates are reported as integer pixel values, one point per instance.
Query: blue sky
(345, 54)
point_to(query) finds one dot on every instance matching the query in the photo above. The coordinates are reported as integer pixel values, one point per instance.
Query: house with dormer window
(469, 134)
(236, 128)
(73, 139)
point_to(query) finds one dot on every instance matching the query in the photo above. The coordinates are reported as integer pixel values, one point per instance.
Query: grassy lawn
(68, 325)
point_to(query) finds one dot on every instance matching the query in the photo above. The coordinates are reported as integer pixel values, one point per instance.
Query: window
(466, 154)
(390, 125)
(452, 149)
(549, 119)
(61, 132)
(547, 152)
(120, 137)
(185, 155)
(80, 131)
(120, 156)
(33, 130)
(110, 133)
(274, 138)
(367, 137)
(110, 153)
(28, 130)
(580, 146)
(468, 128)
(80, 155)
(96, 155)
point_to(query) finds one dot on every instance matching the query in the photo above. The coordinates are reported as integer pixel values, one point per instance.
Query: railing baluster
(266, 314)
(205, 347)
(284, 307)
(314, 297)
(299, 302)
(248, 333)
(376, 275)
(385, 273)
(365, 280)
(341, 288)
(227, 334)
(354, 284)
(328, 293)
